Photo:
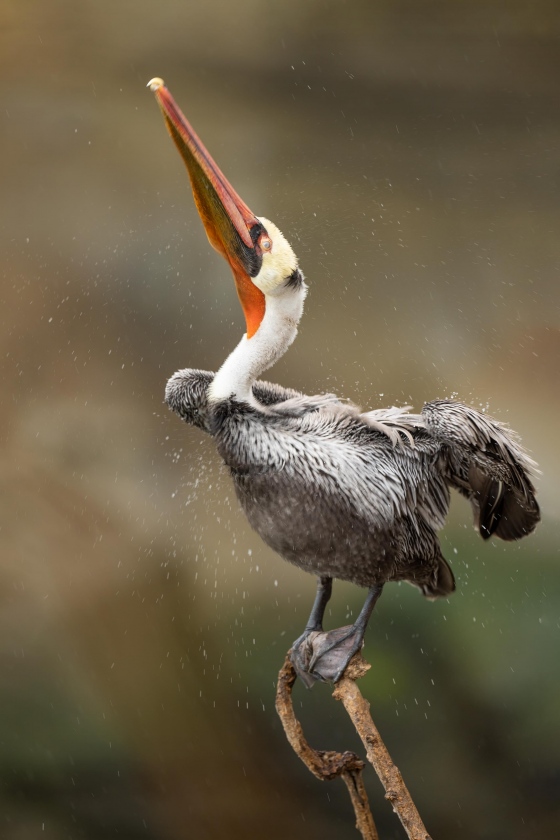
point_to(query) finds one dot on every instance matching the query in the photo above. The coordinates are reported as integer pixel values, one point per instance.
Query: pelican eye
(265, 243)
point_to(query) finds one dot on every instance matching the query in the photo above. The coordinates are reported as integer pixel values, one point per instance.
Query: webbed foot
(320, 655)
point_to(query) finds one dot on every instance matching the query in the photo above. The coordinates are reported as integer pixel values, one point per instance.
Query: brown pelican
(340, 493)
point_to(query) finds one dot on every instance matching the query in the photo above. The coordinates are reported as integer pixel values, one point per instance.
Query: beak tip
(155, 84)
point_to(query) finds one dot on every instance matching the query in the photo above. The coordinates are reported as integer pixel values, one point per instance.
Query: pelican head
(260, 257)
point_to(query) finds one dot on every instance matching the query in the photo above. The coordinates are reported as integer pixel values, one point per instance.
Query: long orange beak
(231, 227)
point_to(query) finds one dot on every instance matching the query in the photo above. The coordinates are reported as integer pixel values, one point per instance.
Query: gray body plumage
(360, 497)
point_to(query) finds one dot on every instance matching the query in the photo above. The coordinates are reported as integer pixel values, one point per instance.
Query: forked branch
(328, 765)
(324, 764)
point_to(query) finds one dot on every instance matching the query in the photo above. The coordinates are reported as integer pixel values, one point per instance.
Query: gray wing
(186, 395)
(485, 461)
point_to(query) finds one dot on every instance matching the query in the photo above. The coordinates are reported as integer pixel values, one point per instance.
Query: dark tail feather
(518, 518)
(509, 511)
(442, 583)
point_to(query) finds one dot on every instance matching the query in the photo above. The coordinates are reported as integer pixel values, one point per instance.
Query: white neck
(254, 355)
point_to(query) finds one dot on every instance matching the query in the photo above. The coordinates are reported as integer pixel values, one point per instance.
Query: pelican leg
(322, 598)
(302, 650)
(332, 651)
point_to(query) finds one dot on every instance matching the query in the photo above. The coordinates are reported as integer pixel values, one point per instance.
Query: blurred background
(410, 152)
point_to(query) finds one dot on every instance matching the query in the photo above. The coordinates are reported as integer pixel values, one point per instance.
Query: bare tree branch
(329, 764)
(324, 764)
(390, 777)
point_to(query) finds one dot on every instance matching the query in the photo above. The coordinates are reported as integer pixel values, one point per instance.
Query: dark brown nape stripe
(295, 280)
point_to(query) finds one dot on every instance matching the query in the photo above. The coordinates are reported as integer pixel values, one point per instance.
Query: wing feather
(485, 461)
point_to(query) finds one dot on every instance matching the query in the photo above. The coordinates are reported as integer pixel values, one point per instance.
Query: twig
(390, 777)
(358, 796)
(324, 764)
(329, 764)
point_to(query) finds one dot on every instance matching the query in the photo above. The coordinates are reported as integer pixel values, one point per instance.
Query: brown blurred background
(411, 152)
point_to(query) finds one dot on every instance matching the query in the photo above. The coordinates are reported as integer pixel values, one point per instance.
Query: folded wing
(485, 461)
